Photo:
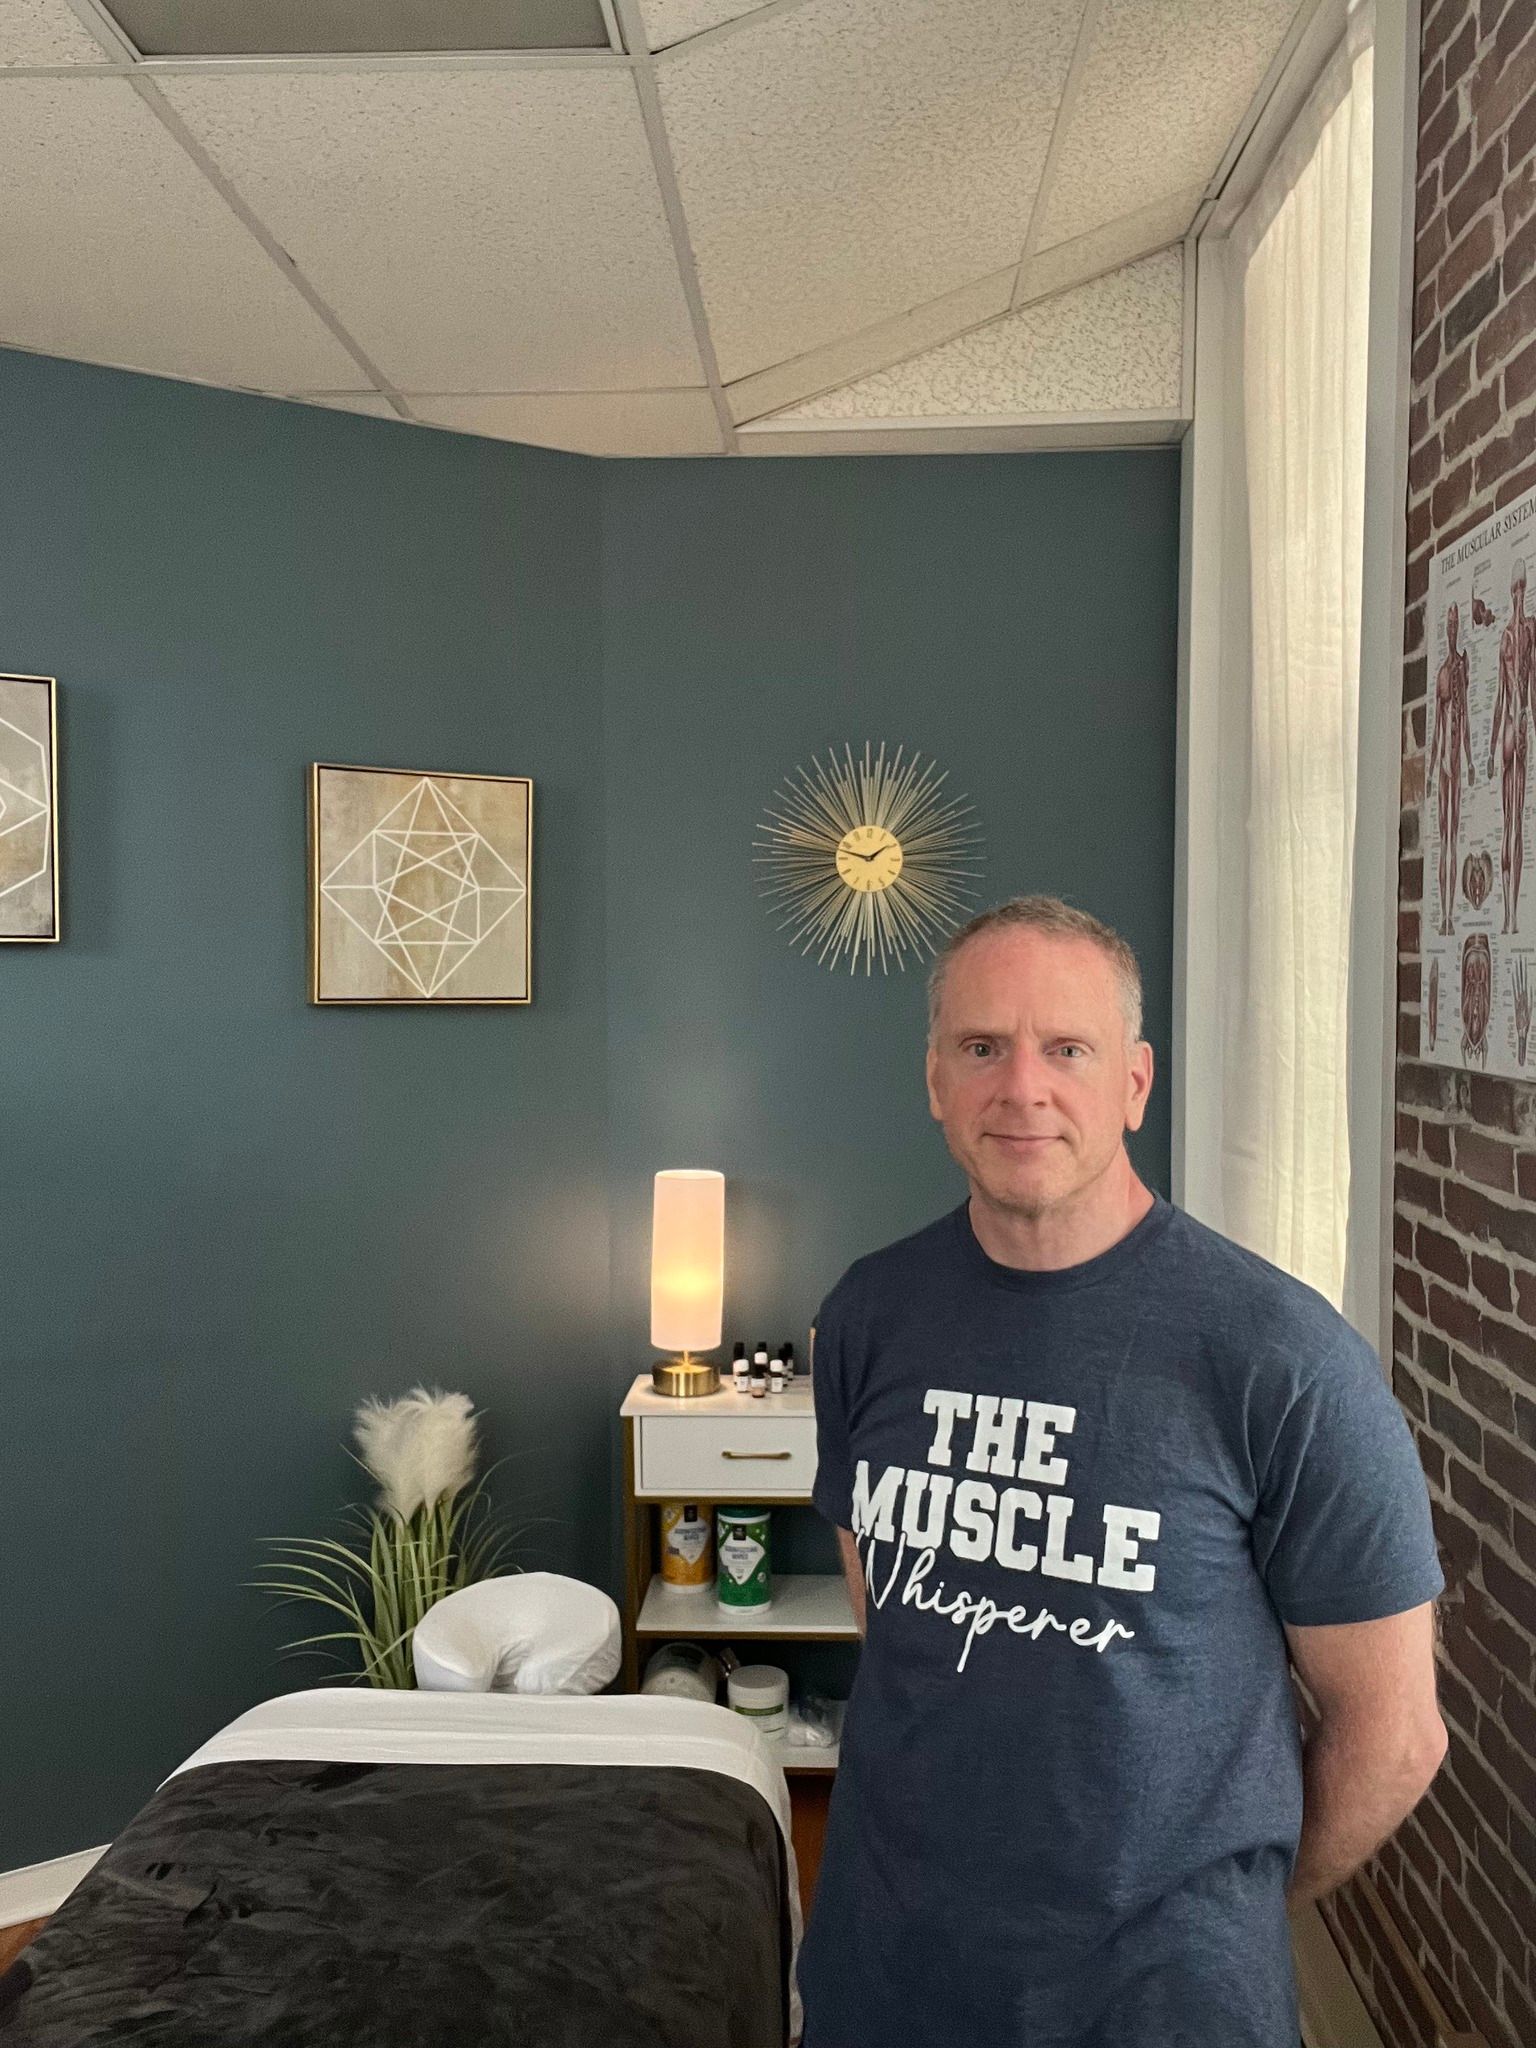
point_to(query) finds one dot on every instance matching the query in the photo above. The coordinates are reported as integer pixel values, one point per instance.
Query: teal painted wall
(1014, 619)
(226, 1215)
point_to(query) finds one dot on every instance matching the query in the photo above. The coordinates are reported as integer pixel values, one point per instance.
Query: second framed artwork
(419, 886)
(29, 812)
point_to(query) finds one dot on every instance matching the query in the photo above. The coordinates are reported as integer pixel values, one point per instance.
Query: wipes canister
(744, 1578)
(685, 1556)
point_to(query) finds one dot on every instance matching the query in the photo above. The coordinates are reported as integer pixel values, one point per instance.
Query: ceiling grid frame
(1303, 22)
(98, 23)
(95, 19)
(1064, 109)
(1036, 422)
(312, 62)
(750, 400)
(898, 348)
(751, 19)
(1318, 25)
(831, 66)
(887, 343)
(643, 71)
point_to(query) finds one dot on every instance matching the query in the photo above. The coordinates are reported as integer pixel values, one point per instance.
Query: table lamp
(687, 1277)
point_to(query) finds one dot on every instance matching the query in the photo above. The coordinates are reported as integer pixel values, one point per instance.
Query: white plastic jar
(760, 1692)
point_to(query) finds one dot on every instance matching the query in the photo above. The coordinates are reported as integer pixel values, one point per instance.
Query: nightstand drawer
(759, 1456)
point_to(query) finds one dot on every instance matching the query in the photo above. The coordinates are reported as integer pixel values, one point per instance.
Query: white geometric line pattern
(18, 807)
(425, 887)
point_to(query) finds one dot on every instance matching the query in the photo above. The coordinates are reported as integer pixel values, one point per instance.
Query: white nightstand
(723, 1447)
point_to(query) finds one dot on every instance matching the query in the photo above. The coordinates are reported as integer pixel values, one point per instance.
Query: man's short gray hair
(1046, 914)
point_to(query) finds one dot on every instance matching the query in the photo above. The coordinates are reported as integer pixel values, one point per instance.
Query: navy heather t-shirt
(1086, 1499)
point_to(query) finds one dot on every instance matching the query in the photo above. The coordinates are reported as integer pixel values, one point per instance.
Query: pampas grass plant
(429, 1533)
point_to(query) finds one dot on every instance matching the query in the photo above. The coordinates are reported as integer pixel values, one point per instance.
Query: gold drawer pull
(757, 1454)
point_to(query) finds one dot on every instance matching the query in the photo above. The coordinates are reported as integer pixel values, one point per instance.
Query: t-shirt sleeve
(832, 1492)
(1343, 1529)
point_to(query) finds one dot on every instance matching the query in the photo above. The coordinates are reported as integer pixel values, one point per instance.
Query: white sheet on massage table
(346, 1724)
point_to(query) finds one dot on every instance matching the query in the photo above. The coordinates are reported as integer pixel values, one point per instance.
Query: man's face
(1029, 1071)
(1452, 627)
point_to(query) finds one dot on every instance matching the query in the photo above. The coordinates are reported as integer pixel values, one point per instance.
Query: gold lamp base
(685, 1378)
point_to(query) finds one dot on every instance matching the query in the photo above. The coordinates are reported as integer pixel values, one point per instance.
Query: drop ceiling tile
(847, 160)
(44, 32)
(1161, 94)
(872, 348)
(670, 21)
(1110, 346)
(114, 248)
(590, 422)
(1107, 248)
(474, 231)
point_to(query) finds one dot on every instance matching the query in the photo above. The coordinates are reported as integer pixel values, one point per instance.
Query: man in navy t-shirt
(1096, 1471)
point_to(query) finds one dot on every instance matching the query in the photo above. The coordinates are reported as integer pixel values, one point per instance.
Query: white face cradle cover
(533, 1633)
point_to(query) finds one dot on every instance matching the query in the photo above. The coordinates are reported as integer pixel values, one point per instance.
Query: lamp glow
(687, 1259)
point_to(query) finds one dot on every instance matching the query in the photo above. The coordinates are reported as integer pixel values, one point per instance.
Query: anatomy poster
(1478, 926)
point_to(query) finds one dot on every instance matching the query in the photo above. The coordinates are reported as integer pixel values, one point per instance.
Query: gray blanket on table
(326, 1905)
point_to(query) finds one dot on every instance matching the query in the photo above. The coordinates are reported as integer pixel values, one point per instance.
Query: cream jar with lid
(760, 1694)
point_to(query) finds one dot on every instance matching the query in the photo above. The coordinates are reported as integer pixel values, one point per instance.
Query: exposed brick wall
(1460, 1877)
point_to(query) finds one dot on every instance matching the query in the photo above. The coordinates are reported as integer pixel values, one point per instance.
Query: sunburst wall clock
(867, 858)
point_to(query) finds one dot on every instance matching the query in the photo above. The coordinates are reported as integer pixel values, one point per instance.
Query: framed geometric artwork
(29, 812)
(418, 886)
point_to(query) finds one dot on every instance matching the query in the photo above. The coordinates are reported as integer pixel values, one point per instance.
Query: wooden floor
(14, 1939)
(809, 1798)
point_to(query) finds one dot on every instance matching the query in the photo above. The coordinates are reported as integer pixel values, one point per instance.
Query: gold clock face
(869, 857)
(867, 860)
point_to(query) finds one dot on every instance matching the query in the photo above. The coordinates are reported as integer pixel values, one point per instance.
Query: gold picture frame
(29, 811)
(420, 887)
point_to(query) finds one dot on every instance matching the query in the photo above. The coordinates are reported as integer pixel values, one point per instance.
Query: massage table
(350, 1868)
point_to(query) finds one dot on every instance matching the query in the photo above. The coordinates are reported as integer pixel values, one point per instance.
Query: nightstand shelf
(801, 1761)
(724, 1448)
(807, 1606)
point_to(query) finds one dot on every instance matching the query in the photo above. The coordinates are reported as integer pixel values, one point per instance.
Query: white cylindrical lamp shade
(687, 1259)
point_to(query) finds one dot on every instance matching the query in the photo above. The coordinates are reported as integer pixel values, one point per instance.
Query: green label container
(744, 1573)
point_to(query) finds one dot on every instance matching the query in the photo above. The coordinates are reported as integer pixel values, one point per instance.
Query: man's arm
(853, 1572)
(1377, 1745)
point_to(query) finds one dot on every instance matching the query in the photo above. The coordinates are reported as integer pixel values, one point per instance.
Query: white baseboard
(41, 1888)
(1333, 2014)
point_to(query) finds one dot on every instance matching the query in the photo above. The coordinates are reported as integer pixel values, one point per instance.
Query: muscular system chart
(1478, 923)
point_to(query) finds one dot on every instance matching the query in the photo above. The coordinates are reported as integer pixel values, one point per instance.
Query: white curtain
(1300, 269)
